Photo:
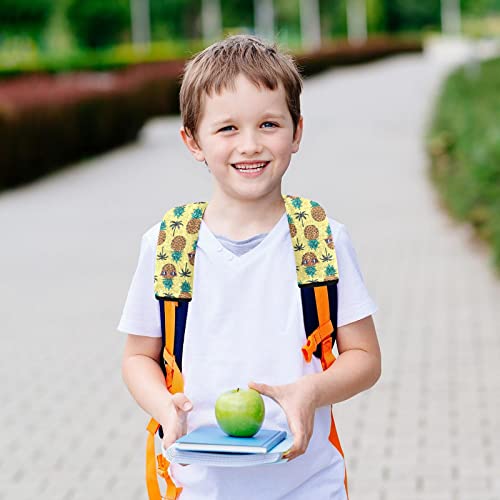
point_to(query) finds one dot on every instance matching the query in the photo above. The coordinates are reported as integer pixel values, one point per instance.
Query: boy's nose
(249, 144)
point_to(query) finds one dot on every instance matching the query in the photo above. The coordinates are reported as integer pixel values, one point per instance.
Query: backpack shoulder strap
(176, 250)
(317, 277)
(174, 275)
(317, 274)
(314, 250)
(156, 464)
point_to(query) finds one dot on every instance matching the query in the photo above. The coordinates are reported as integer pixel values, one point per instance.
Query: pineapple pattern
(310, 233)
(176, 250)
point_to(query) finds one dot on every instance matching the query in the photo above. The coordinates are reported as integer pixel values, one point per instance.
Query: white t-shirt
(245, 324)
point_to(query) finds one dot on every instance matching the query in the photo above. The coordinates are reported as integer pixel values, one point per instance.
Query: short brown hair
(217, 67)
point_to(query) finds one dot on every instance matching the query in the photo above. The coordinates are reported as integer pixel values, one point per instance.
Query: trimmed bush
(47, 121)
(464, 145)
(344, 53)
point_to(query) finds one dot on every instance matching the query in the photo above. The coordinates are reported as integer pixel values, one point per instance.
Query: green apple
(240, 412)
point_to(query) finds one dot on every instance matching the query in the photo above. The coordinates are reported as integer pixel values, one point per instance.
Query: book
(210, 438)
(273, 456)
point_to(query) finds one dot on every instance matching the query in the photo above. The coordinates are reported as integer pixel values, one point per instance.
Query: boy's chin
(255, 195)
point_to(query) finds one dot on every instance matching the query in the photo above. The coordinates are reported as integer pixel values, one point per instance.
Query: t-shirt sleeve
(140, 314)
(354, 301)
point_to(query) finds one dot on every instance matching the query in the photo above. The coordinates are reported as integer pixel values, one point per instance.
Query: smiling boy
(240, 104)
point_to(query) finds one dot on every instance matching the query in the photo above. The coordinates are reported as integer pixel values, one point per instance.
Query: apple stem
(237, 390)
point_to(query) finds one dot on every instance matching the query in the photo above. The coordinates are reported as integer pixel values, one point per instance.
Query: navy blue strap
(310, 312)
(180, 328)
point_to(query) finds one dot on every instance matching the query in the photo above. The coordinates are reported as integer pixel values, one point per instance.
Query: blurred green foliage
(116, 57)
(464, 144)
(43, 34)
(175, 19)
(404, 15)
(24, 16)
(480, 7)
(99, 23)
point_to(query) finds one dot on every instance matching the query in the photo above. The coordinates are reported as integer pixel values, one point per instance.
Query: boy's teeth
(253, 166)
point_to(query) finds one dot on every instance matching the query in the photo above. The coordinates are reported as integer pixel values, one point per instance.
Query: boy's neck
(240, 220)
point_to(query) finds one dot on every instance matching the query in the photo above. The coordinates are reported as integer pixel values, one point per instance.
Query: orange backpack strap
(175, 383)
(323, 336)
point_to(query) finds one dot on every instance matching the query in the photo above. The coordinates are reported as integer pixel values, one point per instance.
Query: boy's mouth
(251, 166)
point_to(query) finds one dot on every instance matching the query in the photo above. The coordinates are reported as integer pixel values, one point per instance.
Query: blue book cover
(210, 438)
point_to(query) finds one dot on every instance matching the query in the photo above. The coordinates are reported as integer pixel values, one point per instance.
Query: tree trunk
(356, 21)
(310, 24)
(264, 19)
(451, 22)
(141, 23)
(211, 20)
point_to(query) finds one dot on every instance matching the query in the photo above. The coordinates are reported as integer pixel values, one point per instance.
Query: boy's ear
(191, 144)
(298, 135)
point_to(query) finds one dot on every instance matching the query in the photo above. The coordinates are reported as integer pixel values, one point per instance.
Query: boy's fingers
(169, 438)
(266, 390)
(299, 445)
(182, 402)
(296, 450)
(291, 453)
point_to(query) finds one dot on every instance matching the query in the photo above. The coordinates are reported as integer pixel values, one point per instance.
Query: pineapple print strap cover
(310, 232)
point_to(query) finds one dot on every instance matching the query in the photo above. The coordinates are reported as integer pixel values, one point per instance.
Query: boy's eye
(227, 128)
(230, 128)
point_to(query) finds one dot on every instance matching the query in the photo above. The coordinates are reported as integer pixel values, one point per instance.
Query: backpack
(317, 277)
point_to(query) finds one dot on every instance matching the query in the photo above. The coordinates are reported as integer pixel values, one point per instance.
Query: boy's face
(246, 137)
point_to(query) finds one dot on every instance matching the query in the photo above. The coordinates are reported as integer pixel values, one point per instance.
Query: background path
(428, 430)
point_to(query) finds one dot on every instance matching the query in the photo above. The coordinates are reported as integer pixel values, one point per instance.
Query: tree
(211, 20)
(24, 16)
(264, 18)
(310, 24)
(237, 13)
(141, 22)
(357, 27)
(175, 19)
(408, 15)
(98, 23)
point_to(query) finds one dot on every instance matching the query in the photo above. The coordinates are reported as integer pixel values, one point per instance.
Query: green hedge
(47, 121)
(344, 54)
(464, 146)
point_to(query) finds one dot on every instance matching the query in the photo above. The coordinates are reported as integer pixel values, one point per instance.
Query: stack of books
(209, 445)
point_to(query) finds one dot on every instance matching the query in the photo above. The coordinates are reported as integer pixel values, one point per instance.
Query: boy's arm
(356, 369)
(143, 376)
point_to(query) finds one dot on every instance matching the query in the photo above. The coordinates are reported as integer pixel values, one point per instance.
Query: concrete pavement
(428, 430)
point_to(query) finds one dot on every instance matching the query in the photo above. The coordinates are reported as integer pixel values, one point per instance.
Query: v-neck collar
(209, 240)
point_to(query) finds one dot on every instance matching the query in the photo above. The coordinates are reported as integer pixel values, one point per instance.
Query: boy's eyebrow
(222, 121)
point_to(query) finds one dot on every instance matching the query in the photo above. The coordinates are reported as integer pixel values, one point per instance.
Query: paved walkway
(429, 430)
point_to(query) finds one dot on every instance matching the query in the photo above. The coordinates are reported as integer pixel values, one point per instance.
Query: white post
(310, 25)
(451, 18)
(141, 29)
(356, 21)
(264, 19)
(211, 20)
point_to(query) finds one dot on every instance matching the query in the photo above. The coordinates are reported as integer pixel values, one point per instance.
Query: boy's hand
(174, 423)
(297, 402)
